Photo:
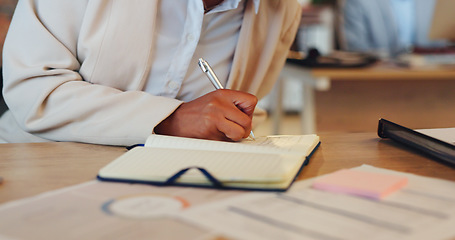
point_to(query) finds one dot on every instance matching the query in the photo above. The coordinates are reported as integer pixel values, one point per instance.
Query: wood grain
(33, 168)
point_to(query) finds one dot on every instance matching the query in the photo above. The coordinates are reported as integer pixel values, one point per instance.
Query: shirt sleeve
(47, 95)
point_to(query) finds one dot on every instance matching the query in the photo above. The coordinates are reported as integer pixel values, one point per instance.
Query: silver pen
(205, 67)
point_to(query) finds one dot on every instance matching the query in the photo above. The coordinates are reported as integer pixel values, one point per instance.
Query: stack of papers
(423, 209)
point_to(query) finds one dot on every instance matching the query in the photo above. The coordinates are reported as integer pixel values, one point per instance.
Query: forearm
(79, 111)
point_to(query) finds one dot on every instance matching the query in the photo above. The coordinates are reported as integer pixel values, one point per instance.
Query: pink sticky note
(365, 184)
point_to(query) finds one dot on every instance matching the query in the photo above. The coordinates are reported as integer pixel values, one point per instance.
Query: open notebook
(268, 163)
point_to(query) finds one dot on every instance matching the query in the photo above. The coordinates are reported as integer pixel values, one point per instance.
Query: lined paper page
(301, 144)
(157, 164)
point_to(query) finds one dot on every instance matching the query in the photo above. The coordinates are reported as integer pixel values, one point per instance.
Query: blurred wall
(6, 12)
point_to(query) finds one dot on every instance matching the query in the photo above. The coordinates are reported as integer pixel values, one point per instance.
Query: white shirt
(184, 34)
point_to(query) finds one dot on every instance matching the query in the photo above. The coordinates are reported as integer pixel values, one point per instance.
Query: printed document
(423, 209)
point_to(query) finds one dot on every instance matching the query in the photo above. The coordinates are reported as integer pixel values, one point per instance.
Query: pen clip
(205, 67)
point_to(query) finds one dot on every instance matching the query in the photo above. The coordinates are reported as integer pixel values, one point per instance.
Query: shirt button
(190, 37)
(174, 85)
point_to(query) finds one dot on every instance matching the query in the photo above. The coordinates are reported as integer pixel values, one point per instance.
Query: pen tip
(252, 135)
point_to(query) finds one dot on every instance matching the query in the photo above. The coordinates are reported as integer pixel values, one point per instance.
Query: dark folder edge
(173, 183)
(428, 145)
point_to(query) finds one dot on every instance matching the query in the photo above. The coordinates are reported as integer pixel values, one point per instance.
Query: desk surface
(384, 71)
(29, 169)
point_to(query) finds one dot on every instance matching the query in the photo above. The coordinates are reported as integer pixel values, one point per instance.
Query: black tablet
(433, 147)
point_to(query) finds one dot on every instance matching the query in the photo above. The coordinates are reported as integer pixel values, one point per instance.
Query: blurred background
(362, 60)
(6, 12)
(355, 61)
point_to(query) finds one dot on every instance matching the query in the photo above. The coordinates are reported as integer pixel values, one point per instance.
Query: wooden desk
(30, 169)
(321, 80)
(384, 71)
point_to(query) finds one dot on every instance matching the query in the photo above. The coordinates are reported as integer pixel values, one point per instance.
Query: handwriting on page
(160, 141)
(285, 143)
(271, 144)
(276, 142)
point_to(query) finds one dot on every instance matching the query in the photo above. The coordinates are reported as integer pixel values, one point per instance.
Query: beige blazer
(75, 70)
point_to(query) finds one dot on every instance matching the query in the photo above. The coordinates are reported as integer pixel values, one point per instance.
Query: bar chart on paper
(424, 209)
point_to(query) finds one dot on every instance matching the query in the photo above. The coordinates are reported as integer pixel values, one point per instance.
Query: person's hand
(219, 115)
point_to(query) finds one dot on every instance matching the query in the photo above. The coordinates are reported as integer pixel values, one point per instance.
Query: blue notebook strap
(213, 180)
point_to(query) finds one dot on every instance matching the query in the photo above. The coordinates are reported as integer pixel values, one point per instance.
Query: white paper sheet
(443, 134)
(425, 209)
(103, 210)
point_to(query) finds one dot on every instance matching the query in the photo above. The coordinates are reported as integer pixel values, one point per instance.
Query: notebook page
(157, 164)
(300, 144)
